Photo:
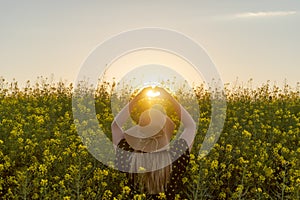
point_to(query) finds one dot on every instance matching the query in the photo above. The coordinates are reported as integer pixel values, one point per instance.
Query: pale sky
(244, 39)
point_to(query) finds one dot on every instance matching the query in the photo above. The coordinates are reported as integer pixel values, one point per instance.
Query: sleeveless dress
(179, 153)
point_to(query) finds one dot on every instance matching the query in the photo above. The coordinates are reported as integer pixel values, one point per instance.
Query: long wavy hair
(155, 179)
(158, 165)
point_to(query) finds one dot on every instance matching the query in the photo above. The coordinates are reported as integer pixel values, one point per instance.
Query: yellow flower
(268, 171)
(228, 175)
(243, 161)
(43, 168)
(222, 195)
(246, 134)
(68, 177)
(139, 196)
(162, 195)
(239, 188)
(258, 164)
(20, 140)
(228, 147)
(223, 165)
(177, 197)
(262, 178)
(126, 190)
(44, 182)
(192, 156)
(214, 164)
(82, 147)
(104, 184)
(61, 183)
(36, 196)
(107, 195)
(105, 172)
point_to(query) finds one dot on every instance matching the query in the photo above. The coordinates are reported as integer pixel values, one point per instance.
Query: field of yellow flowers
(42, 157)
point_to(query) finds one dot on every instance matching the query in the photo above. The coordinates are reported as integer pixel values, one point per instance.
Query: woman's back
(179, 158)
(154, 162)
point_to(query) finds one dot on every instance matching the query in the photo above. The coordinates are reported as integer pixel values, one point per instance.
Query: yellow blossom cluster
(41, 156)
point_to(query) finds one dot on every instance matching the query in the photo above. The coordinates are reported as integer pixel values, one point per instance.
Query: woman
(153, 163)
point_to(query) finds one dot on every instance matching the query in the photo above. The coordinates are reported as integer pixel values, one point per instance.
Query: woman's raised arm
(189, 131)
(116, 126)
(121, 118)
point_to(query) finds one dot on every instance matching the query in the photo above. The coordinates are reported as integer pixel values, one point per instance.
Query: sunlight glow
(152, 93)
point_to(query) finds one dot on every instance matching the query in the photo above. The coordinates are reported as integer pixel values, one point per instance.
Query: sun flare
(152, 93)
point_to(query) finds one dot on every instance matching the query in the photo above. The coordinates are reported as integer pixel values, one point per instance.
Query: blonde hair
(156, 177)
(152, 170)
